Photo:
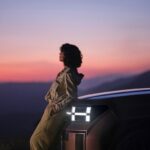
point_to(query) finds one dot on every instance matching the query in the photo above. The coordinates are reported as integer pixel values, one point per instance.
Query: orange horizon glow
(46, 71)
(111, 41)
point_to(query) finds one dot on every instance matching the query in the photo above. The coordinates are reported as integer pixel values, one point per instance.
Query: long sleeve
(70, 92)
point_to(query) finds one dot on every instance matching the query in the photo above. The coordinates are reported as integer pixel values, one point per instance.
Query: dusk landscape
(113, 36)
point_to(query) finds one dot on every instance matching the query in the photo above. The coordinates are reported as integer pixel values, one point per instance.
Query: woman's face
(61, 56)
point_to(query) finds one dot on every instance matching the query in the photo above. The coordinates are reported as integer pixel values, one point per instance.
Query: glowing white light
(73, 114)
(68, 113)
(88, 110)
(80, 114)
(87, 118)
(73, 118)
(73, 109)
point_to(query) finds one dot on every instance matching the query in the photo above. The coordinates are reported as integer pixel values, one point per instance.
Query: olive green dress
(61, 94)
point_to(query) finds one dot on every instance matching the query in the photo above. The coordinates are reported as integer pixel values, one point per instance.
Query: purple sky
(113, 35)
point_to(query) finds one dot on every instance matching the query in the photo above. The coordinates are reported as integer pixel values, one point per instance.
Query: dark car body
(119, 120)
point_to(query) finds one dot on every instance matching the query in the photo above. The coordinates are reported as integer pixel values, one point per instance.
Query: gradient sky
(113, 35)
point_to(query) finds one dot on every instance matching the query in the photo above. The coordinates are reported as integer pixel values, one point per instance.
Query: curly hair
(72, 55)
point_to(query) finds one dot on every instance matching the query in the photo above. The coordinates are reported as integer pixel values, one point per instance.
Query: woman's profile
(61, 94)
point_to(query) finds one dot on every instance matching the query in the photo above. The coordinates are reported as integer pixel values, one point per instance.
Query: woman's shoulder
(65, 72)
(71, 74)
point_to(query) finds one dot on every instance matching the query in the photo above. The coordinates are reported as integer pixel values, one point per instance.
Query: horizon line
(50, 81)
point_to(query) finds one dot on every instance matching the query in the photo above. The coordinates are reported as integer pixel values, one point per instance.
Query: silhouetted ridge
(137, 81)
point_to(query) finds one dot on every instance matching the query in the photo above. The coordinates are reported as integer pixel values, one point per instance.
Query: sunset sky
(113, 35)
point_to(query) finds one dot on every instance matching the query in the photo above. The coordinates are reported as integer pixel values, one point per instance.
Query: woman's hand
(54, 109)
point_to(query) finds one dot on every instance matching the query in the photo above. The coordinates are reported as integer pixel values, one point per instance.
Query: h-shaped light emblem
(73, 114)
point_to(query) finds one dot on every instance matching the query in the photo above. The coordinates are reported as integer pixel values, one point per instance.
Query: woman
(60, 95)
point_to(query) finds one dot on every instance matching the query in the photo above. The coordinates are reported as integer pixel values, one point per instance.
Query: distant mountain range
(29, 97)
(22, 104)
(136, 81)
(99, 80)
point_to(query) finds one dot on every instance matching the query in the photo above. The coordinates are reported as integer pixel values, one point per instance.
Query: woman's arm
(70, 93)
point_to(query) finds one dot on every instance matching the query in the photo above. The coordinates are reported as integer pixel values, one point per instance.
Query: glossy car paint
(123, 125)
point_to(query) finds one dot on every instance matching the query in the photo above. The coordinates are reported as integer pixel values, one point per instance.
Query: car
(116, 120)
